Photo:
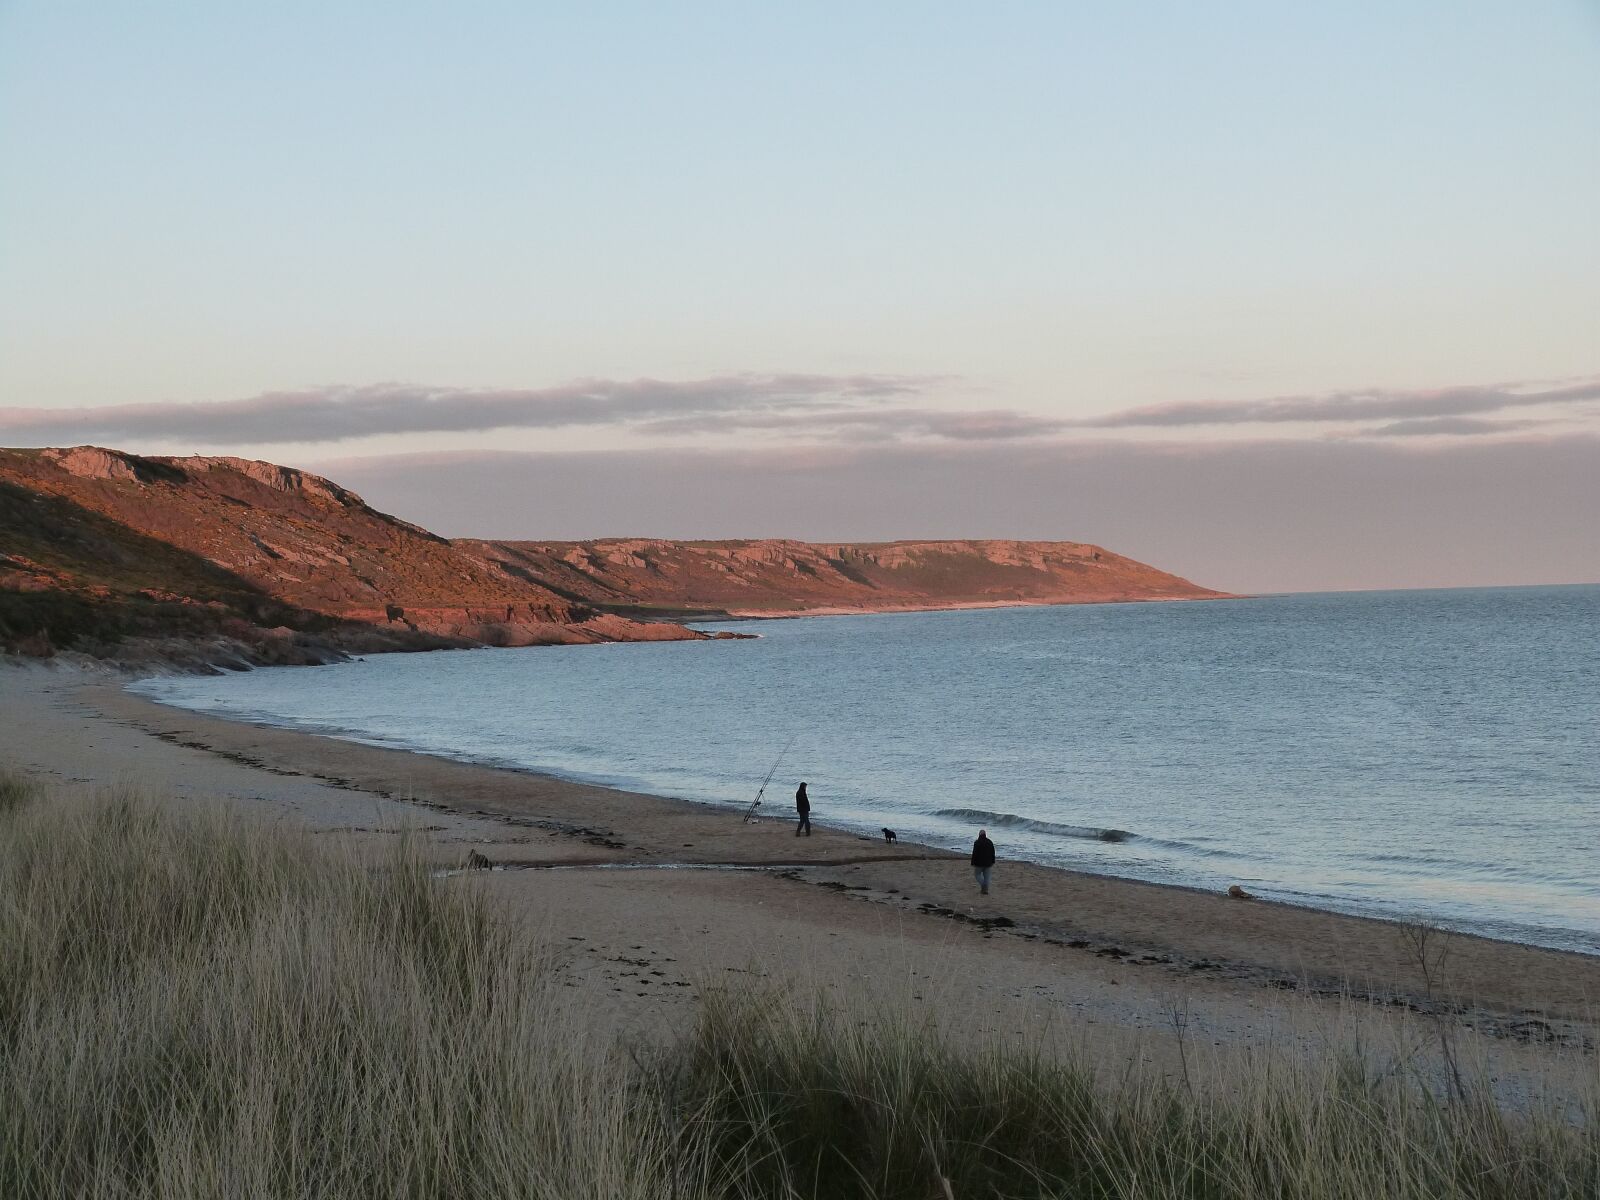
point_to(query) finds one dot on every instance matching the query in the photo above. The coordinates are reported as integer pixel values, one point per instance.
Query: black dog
(888, 835)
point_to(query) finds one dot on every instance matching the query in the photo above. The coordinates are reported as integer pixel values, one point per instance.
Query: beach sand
(651, 900)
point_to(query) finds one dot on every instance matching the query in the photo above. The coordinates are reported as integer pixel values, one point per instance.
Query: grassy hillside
(209, 559)
(290, 534)
(71, 579)
(220, 559)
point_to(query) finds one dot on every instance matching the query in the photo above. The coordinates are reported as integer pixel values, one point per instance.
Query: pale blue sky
(1093, 205)
(1056, 210)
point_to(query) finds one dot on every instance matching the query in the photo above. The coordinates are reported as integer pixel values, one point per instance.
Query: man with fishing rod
(802, 802)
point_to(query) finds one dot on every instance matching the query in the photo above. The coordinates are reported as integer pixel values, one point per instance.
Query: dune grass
(804, 1101)
(192, 1004)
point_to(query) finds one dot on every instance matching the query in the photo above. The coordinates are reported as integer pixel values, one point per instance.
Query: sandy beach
(651, 900)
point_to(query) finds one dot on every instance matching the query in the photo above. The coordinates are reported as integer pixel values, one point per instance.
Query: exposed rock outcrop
(91, 462)
(279, 479)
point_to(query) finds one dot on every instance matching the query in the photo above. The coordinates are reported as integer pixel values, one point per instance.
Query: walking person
(802, 805)
(982, 860)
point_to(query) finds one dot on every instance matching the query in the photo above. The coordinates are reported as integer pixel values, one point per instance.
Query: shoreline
(863, 830)
(225, 734)
(963, 606)
(637, 890)
(906, 849)
(686, 616)
(188, 654)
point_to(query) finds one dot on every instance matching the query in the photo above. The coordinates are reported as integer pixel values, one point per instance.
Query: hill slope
(786, 577)
(225, 560)
(99, 549)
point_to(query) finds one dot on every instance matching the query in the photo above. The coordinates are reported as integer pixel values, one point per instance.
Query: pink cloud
(1371, 404)
(334, 414)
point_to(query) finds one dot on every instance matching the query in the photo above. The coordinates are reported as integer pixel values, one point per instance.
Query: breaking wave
(1032, 825)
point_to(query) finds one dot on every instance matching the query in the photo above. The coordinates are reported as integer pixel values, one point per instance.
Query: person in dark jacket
(802, 805)
(982, 860)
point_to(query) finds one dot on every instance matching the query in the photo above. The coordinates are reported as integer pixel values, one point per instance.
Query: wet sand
(651, 900)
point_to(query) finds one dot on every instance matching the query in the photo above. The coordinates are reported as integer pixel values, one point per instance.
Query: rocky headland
(773, 577)
(215, 562)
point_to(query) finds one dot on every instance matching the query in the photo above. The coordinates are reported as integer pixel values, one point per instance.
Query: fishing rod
(751, 811)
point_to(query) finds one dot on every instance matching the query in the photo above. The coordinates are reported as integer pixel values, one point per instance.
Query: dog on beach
(888, 835)
(477, 862)
(1235, 892)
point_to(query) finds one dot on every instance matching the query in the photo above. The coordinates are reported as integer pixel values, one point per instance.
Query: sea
(1412, 755)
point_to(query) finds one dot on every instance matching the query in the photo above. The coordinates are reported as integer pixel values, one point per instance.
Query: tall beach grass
(193, 1004)
(802, 1100)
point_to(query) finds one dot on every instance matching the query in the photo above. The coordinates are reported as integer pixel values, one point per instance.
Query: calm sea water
(1403, 754)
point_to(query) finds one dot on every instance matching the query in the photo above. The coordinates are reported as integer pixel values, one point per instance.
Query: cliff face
(99, 548)
(777, 577)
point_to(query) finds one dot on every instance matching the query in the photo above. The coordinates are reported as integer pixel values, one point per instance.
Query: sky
(1279, 297)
